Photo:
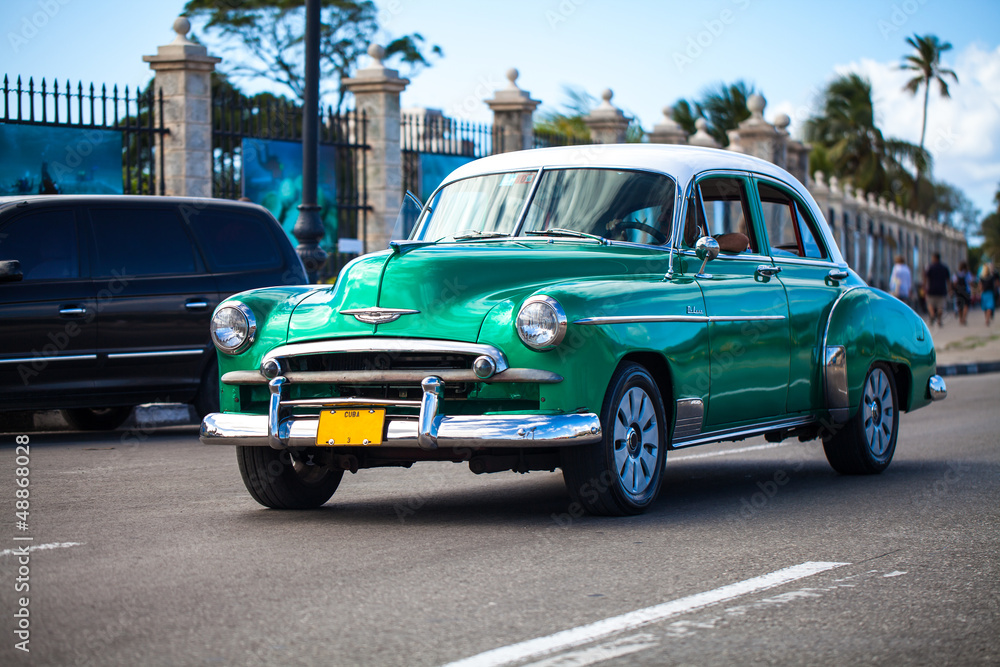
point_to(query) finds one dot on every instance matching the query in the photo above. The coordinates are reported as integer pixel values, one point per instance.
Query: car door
(812, 282)
(745, 306)
(155, 299)
(48, 330)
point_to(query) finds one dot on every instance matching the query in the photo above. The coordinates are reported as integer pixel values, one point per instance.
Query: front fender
(850, 327)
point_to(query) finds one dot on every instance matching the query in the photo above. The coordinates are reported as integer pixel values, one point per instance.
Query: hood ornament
(376, 315)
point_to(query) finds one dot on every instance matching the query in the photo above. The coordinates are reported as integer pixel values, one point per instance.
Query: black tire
(622, 474)
(866, 443)
(282, 480)
(207, 400)
(97, 419)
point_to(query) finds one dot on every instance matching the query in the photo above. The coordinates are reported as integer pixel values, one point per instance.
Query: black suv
(105, 301)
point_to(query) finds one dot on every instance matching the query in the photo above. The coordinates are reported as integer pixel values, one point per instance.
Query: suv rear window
(45, 244)
(235, 241)
(141, 242)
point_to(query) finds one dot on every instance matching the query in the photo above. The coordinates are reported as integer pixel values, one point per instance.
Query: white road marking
(584, 634)
(41, 547)
(895, 573)
(600, 653)
(739, 450)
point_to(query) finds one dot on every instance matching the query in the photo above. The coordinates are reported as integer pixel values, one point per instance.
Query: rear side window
(790, 230)
(233, 240)
(45, 244)
(141, 242)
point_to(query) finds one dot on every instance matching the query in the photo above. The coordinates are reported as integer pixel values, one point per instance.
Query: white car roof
(681, 162)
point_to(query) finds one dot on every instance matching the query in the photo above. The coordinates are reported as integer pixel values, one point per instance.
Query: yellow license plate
(350, 427)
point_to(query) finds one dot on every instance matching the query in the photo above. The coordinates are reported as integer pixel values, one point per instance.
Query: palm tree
(927, 63)
(848, 143)
(723, 106)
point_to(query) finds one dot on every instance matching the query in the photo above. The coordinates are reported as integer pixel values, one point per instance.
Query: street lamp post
(309, 228)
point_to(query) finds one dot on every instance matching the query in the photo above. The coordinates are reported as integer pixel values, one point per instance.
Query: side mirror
(706, 249)
(10, 271)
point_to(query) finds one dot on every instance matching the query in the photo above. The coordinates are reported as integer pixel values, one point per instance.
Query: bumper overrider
(429, 430)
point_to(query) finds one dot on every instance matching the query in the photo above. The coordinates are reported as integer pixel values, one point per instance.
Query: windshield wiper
(562, 231)
(475, 234)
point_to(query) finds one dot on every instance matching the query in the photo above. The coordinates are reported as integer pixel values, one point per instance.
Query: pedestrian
(989, 285)
(936, 279)
(901, 280)
(961, 284)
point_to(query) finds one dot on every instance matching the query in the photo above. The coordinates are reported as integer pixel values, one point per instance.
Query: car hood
(453, 286)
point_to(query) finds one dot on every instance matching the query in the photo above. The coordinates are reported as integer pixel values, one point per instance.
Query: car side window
(724, 212)
(790, 229)
(235, 240)
(141, 242)
(45, 243)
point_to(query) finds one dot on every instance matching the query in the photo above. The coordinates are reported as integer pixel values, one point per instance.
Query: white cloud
(963, 131)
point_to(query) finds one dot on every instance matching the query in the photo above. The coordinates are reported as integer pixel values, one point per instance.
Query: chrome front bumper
(429, 430)
(936, 388)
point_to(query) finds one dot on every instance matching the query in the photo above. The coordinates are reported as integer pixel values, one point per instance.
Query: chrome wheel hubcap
(880, 412)
(636, 441)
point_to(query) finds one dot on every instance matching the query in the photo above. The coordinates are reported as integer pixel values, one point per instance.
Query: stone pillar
(183, 73)
(606, 122)
(512, 114)
(701, 137)
(668, 130)
(758, 137)
(376, 90)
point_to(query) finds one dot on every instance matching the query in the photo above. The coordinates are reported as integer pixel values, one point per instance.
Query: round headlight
(541, 323)
(233, 328)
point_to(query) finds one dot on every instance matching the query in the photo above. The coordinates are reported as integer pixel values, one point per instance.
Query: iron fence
(440, 135)
(236, 117)
(548, 139)
(137, 114)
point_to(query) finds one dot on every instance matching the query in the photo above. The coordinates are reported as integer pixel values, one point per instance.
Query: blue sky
(649, 52)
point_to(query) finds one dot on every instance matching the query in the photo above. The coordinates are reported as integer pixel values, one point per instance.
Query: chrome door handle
(837, 274)
(196, 305)
(769, 271)
(72, 310)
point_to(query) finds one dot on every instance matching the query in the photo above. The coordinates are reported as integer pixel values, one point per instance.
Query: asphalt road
(754, 554)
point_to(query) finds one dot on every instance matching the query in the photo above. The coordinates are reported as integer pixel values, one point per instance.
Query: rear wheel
(866, 443)
(282, 479)
(622, 474)
(97, 419)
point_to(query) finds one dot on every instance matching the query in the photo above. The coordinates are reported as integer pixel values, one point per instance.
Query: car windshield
(618, 205)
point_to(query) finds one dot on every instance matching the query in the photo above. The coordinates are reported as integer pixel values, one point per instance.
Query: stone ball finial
(607, 95)
(701, 125)
(377, 53)
(756, 104)
(512, 75)
(781, 121)
(182, 26)
(668, 112)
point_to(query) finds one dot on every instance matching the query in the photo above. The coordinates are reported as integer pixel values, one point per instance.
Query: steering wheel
(657, 235)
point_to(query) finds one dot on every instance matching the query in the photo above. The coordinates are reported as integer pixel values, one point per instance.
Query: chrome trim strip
(936, 388)
(529, 375)
(635, 319)
(341, 402)
(742, 432)
(65, 357)
(835, 381)
(163, 353)
(379, 344)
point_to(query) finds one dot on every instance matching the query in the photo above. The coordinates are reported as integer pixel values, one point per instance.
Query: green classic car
(586, 308)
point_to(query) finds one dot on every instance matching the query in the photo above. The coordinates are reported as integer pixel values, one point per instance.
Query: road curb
(975, 368)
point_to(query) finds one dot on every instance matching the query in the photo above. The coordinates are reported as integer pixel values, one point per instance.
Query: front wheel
(622, 474)
(281, 479)
(866, 443)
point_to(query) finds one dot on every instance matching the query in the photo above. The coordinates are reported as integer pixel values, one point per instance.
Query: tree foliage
(266, 39)
(990, 230)
(847, 143)
(569, 121)
(722, 106)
